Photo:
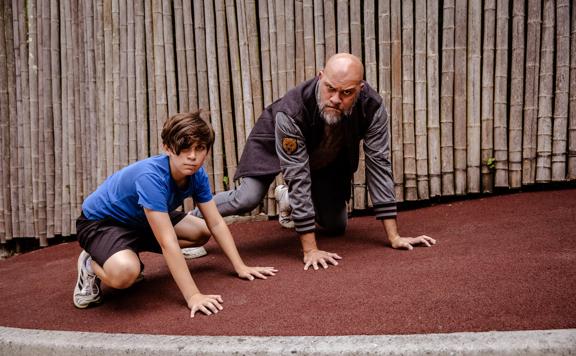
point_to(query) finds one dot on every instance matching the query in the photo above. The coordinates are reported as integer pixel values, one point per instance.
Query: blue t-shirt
(143, 184)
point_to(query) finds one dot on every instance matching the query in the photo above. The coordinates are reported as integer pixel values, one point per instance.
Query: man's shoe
(191, 253)
(87, 290)
(285, 211)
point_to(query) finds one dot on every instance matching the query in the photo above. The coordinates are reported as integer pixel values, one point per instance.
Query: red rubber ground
(501, 263)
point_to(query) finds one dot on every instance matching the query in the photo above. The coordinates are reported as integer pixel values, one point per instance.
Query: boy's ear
(167, 149)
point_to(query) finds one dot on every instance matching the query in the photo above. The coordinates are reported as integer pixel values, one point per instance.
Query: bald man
(312, 136)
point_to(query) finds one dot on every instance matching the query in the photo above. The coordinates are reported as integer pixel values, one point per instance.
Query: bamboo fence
(481, 95)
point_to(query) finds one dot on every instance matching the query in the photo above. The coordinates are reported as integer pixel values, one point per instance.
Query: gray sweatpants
(330, 208)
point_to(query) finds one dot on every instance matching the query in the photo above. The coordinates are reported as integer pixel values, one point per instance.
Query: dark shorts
(103, 238)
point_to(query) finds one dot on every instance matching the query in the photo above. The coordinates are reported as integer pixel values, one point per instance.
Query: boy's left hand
(260, 272)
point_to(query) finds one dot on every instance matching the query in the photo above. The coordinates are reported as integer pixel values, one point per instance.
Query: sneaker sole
(197, 252)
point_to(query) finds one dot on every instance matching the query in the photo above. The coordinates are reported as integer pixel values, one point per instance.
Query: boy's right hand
(207, 304)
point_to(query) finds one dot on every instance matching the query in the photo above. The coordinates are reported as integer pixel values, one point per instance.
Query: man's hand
(409, 242)
(207, 304)
(315, 257)
(260, 272)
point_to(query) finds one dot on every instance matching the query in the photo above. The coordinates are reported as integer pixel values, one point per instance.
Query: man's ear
(320, 74)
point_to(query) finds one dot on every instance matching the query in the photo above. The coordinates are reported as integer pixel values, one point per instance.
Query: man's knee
(334, 227)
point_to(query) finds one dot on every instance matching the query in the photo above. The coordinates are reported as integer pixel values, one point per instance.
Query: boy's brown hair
(183, 130)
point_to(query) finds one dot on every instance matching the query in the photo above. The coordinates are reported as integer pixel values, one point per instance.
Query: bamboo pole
(281, 47)
(236, 73)
(245, 69)
(181, 73)
(109, 101)
(299, 40)
(151, 78)
(487, 97)
(571, 171)
(447, 98)
(529, 132)
(56, 113)
(460, 40)
(214, 96)
(370, 60)
(141, 79)
(410, 188)
(18, 174)
(225, 94)
(319, 41)
(43, 38)
(329, 30)
(169, 61)
(124, 135)
(68, 146)
(79, 84)
(356, 28)
(561, 92)
(288, 35)
(516, 95)
(384, 49)
(190, 56)
(33, 133)
(254, 55)
(273, 50)
(90, 138)
(432, 71)
(100, 91)
(133, 127)
(545, 95)
(309, 39)
(420, 100)
(24, 127)
(161, 104)
(473, 96)
(5, 206)
(10, 38)
(118, 88)
(396, 99)
(500, 95)
(47, 111)
(264, 54)
(343, 26)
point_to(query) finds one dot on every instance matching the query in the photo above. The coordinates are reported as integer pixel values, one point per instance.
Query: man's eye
(347, 92)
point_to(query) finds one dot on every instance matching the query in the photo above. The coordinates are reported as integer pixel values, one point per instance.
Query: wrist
(308, 241)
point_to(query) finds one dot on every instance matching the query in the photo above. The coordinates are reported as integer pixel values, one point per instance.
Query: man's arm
(381, 184)
(223, 237)
(166, 236)
(296, 171)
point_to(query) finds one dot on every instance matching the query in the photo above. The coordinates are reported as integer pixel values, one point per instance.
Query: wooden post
(560, 133)
(447, 99)
(516, 95)
(500, 95)
(487, 97)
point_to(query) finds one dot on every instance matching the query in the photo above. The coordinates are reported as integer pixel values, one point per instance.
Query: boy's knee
(123, 274)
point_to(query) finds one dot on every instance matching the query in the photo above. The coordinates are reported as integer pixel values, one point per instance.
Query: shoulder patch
(289, 145)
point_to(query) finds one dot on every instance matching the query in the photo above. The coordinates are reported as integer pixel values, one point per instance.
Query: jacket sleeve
(293, 155)
(378, 166)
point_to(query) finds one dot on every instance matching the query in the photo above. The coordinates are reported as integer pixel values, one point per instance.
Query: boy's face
(188, 161)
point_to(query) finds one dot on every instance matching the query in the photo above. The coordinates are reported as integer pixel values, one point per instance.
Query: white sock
(88, 265)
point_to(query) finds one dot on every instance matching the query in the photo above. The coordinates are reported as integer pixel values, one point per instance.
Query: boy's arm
(166, 236)
(223, 237)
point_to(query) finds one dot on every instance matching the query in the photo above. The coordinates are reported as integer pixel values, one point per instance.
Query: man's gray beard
(331, 119)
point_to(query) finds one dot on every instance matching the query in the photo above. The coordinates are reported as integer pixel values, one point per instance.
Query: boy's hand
(316, 257)
(207, 304)
(261, 272)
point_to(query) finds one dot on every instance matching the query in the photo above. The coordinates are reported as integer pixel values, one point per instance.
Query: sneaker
(285, 211)
(191, 253)
(87, 290)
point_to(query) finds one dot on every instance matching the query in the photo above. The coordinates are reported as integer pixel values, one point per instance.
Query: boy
(133, 211)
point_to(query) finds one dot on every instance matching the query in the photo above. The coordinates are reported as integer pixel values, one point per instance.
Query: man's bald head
(339, 85)
(344, 67)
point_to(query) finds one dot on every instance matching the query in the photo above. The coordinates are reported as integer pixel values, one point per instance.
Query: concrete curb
(15, 341)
